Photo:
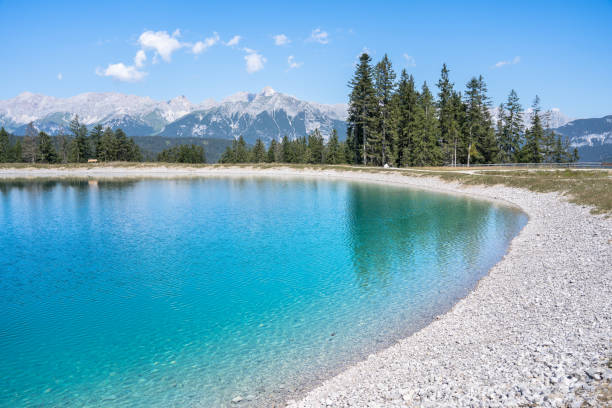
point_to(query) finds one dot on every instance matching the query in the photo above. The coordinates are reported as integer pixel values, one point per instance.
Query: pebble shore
(536, 331)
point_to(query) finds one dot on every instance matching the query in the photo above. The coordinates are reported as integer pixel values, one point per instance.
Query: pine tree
(63, 147)
(30, 144)
(228, 156)
(427, 128)
(79, 148)
(456, 130)
(258, 154)
(362, 111)
(315, 147)
(241, 152)
(405, 119)
(271, 157)
(531, 150)
(384, 81)
(16, 152)
(46, 150)
(286, 150)
(449, 128)
(106, 149)
(95, 135)
(5, 147)
(512, 132)
(333, 149)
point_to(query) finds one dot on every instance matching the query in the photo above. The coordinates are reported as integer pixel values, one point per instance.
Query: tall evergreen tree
(511, 134)
(46, 150)
(447, 107)
(333, 149)
(30, 144)
(5, 147)
(95, 135)
(362, 111)
(315, 147)
(405, 119)
(384, 85)
(531, 151)
(428, 131)
(258, 154)
(271, 158)
(79, 149)
(241, 152)
(63, 144)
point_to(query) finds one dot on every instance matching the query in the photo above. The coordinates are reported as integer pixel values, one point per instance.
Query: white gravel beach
(536, 331)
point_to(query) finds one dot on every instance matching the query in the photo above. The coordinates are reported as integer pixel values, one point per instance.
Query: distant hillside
(592, 137)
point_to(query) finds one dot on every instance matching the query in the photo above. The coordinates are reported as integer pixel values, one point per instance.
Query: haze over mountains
(266, 115)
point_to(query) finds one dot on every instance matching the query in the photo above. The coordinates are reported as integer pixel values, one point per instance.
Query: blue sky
(559, 50)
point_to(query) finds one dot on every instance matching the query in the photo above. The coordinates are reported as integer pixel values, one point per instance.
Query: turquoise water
(181, 293)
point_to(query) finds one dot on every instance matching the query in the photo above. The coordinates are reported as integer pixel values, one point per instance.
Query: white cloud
(319, 36)
(410, 61)
(254, 61)
(161, 42)
(514, 61)
(281, 39)
(60, 76)
(121, 72)
(140, 58)
(293, 63)
(234, 41)
(202, 46)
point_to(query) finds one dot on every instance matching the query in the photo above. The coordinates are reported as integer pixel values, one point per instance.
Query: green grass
(585, 187)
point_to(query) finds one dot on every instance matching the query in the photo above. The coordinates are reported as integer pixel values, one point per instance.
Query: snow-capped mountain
(592, 137)
(268, 114)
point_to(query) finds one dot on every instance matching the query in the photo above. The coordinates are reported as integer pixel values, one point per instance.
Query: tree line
(392, 122)
(77, 147)
(310, 149)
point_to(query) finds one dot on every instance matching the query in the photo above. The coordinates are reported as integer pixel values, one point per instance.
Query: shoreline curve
(535, 330)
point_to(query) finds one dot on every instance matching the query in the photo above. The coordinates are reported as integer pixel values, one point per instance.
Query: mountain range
(267, 115)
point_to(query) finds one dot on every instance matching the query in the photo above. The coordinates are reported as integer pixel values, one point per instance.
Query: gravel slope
(537, 331)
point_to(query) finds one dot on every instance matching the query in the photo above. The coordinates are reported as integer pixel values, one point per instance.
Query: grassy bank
(585, 187)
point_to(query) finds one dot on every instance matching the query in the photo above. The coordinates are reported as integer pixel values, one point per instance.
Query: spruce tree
(286, 150)
(384, 81)
(405, 118)
(258, 154)
(63, 146)
(333, 149)
(16, 152)
(79, 149)
(531, 150)
(449, 128)
(5, 147)
(30, 144)
(95, 135)
(315, 147)
(512, 132)
(46, 150)
(271, 157)
(428, 130)
(362, 111)
(241, 151)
